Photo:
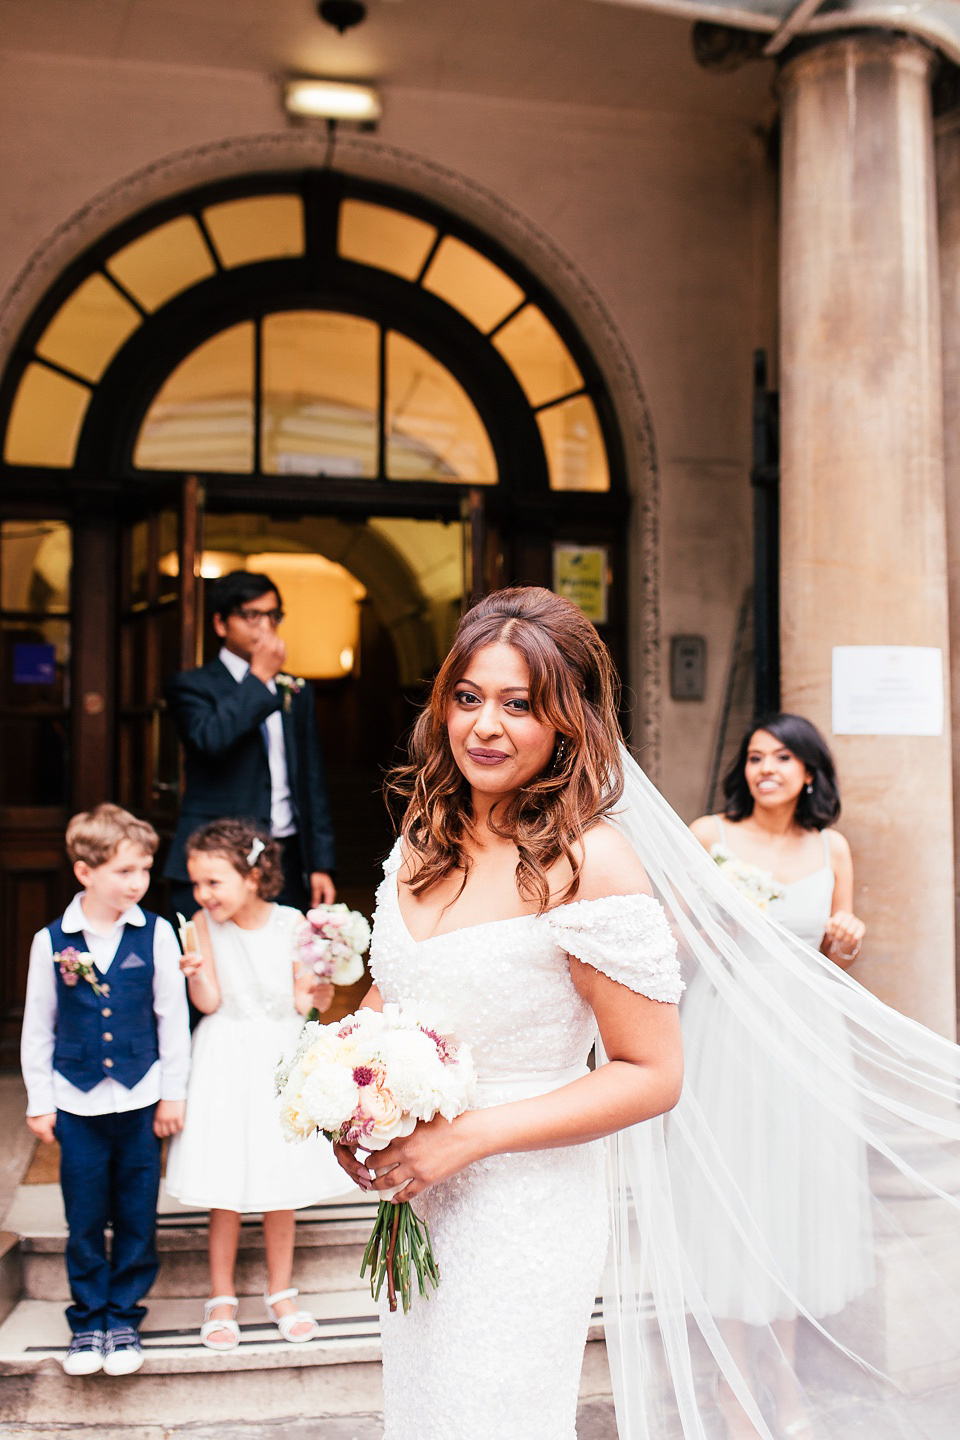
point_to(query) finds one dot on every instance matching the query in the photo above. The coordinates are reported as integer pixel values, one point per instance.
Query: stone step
(330, 1241)
(182, 1382)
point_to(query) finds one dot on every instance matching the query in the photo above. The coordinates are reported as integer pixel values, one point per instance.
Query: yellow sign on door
(580, 575)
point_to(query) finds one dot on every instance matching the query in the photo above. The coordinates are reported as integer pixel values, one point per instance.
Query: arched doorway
(300, 365)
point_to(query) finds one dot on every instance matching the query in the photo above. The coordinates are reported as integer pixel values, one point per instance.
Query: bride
(543, 891)
(514, 912)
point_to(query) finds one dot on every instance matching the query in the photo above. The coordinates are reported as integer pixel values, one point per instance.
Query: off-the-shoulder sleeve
(625, 936)
(395, 859)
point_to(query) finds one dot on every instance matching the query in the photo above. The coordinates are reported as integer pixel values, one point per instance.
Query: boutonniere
(78, 965)
(290, 685)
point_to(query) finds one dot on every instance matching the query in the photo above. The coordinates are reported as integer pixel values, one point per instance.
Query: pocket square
(132, 962)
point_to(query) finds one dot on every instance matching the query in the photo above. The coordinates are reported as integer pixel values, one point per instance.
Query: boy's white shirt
(47, 1090)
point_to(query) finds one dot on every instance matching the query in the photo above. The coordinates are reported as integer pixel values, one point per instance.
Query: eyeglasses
(256, 617)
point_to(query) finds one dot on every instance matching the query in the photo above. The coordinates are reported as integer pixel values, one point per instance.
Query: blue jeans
(109, 1175)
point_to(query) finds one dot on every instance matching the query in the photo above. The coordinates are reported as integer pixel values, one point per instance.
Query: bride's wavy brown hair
(573, 688)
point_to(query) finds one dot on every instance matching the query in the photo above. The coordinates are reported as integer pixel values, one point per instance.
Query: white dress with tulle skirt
(520, 1239)
(231, 1154)
(803, 1178)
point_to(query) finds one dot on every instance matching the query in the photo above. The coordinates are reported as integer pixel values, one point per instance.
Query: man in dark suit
(250, 743)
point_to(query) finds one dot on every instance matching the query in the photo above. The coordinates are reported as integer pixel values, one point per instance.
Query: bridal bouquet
(364, 1081)
(331, 941)
(757, 885)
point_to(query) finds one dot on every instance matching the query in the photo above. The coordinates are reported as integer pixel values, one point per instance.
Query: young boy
(105, 1054)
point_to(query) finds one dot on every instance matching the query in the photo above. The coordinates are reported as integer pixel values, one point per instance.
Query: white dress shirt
(47, 1089)
(282, 820)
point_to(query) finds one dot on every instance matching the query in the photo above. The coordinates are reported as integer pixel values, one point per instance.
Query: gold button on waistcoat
(106, 1012)
(109, 1064)
(107, 1035)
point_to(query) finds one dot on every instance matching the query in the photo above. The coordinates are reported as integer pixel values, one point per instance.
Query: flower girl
(231, 1157)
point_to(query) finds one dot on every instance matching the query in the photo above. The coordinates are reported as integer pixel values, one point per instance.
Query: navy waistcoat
(113, 1034)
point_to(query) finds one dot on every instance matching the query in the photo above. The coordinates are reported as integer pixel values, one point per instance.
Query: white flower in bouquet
(757, 885)
(364, 1082)
(329, 1090)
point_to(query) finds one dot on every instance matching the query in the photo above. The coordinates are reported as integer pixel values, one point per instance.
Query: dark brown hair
(233, 839)
(817, 808)
(573, 688)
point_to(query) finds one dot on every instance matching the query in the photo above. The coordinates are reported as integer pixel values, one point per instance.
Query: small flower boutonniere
(290, 685)
(78, 965)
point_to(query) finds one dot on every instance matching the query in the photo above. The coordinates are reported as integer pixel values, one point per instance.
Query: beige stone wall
(668, 215)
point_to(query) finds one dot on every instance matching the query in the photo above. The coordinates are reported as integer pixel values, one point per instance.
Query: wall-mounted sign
(887, 690)
(580, 575)
(34, 664)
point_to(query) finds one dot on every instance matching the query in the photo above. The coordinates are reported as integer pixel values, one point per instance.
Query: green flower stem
(399, 1243)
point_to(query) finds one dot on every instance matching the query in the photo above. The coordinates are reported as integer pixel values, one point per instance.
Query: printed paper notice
(887, 690)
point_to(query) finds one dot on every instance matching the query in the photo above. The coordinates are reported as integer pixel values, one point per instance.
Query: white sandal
(285, 1323)
(210, 1327)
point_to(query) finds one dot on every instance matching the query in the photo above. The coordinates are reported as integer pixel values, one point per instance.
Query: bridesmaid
(803, 1180)
(781, 797)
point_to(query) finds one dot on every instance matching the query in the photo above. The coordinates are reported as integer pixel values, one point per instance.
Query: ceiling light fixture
(342, 14)
(332, 100)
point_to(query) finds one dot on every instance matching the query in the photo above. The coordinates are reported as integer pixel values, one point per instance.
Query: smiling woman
(514, 763)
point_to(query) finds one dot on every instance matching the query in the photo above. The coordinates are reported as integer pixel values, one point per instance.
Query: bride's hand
(435, 1150)
(347, 1159)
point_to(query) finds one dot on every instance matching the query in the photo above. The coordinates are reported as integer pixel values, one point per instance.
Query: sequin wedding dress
(520, 1239)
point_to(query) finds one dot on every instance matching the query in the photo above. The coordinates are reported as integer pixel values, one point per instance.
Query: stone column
(863, 527)
(948, 191)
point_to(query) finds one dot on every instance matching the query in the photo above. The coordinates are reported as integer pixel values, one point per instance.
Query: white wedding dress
(520, 1239)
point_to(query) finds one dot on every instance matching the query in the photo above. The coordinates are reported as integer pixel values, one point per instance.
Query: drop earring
(809, 787)
(559, 753)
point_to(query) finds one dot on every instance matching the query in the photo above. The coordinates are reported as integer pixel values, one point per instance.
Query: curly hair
(233, 840)
(574, 689)
(801, 737)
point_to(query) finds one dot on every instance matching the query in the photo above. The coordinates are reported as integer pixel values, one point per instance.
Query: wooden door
(37, 615)
(160, 631)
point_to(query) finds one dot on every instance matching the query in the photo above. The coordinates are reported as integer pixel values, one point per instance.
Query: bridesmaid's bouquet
(757, 885)
(331, 941)
(364, 1081)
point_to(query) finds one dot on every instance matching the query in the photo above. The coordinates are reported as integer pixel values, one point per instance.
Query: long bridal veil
(786, 1243)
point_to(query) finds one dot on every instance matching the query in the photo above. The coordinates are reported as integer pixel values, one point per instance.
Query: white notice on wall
(887, 690)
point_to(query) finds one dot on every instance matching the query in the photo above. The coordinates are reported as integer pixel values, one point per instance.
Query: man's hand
(168, 1119)
(267, 655)
(322, 889)
(42, 1126)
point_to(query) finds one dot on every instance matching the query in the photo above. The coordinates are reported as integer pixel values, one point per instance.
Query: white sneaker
(85, 1356)
(121, 1351)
